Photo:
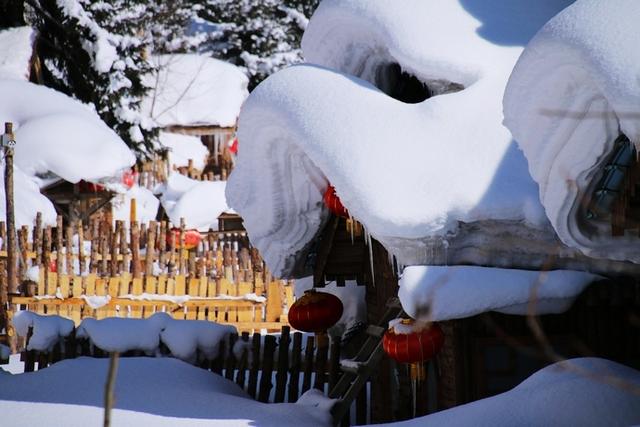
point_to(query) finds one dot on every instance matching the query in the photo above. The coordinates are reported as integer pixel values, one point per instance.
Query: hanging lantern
(191, 238)
(333, 202)
(53, 266)
(129, 178)
(233, 147)
(315, 312)
(410, 341)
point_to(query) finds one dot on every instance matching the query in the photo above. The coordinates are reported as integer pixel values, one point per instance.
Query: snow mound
(572, 92)
(192, 90)
(160, 392)
(184, 338)
(57, 134)
(574, 392)
(15, 53)
(435, 293)
(407, 170)
(147, 205)
(200, 203)
(47, 330)
(183, 148)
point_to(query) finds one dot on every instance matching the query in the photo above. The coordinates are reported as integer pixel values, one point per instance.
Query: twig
(109, 386)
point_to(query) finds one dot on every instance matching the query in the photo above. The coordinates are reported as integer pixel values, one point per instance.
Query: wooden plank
(267, 368)
(321, 361)
(230, 362)
(202, 291)
(136, 289)
(334, 361)
(294, 372)
(101, 290)
(76, 311)
(193, 290)
(180, 289)
(245, 314)
(274, 301)
(113, 288)
(283, 365)
(243, 361)
(308, 363)
(63, 285)
(255, 365)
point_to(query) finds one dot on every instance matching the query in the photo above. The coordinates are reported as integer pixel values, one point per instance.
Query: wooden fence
(139, 269)
(269, 368)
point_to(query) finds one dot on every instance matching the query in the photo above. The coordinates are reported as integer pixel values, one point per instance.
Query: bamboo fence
(134, 270)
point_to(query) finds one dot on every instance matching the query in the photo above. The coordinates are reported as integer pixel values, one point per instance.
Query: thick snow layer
(28, 200)
(572, 92)
(198, 202)
(407, 171)
(15, 53)
(193, 90)
(183, 148)
(434, 293)
(57, 134)
(47, 330)
(160, 392)
(184, 338)
(576, 392)
(147, 205)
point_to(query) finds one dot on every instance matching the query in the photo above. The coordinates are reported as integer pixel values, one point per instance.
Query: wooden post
(133, 213)
(8, 142)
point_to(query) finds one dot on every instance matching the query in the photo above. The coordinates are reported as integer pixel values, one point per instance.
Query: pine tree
(261, 36)
(96, 52)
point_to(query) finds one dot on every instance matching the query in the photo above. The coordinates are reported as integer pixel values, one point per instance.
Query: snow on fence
(269, 368)
(140, 269)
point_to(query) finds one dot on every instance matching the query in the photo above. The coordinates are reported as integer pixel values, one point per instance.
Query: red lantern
(315, 312)
(233, 147)
(53, 267)
(129, 178)
(408, 341)
(191, 238)
(333, 202)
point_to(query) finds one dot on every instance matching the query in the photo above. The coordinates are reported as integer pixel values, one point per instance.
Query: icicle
(350, 222)
(445, 245)
(367, 238)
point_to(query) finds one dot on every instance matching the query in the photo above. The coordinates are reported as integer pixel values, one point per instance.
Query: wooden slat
(308, 363)
(267, 368)
(255, 365)
(283, 365)
(294, 373)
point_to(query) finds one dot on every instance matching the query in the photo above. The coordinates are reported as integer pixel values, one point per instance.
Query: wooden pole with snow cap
(8, 144)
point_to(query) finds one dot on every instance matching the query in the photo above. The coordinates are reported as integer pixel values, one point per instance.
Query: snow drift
(584, 392)
(15, 53)
(573, 91)
(408, 132)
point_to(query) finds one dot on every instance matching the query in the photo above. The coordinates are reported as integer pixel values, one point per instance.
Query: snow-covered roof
(435, 293)
(183, 148)
(15, 53)
(57, 134)
(572, 92)
(408, 172)
(194, 90)
(198, 202)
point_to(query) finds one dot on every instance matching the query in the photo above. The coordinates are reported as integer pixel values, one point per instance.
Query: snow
(408, 172)
(574, 392)
(28, 200)
(47, 330)
(198, 202)
(434, 293)
(194, 90)
(147, 205)
(184, 338)
(572, 92)
(15, 53)
(148, 391)
(57, 134)
(183, 148)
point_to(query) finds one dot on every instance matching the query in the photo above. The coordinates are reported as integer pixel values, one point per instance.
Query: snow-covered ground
(577, 392)
(148, 392)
